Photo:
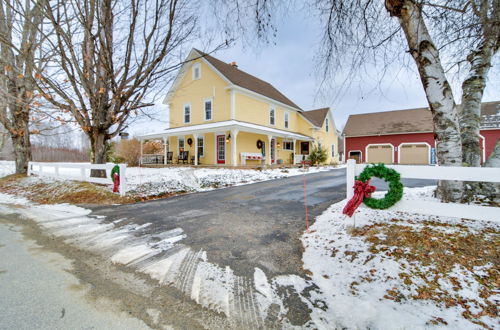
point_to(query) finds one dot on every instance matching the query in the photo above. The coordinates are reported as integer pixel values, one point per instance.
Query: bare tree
(110, 54)
(20, 38)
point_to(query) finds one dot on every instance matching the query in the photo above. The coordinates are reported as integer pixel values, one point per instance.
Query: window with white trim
(208, 109)
(326, 124)
(187, 113)
(181, 143)
(272, 114)
(201, 147)
(333, 150)
(196, 71)
(288, 145)
(286, 119)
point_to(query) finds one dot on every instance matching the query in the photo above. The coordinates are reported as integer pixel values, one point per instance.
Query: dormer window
(272, 115)
(196, 71)
(326, 124)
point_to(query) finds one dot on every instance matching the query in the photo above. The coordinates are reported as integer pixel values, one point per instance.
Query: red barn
(406, 136)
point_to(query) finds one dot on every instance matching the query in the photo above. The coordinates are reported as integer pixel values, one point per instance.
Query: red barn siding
(491, 137)
(361, 142)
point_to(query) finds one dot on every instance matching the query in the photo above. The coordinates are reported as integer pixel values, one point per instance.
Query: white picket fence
(78, 172)
(465, 211)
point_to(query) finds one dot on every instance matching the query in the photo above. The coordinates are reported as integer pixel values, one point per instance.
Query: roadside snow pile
(397, 270)
(145, 181)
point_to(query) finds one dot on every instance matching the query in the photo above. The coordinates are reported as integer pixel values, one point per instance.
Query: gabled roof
(247, 81)
(316, 117)
(409, 121)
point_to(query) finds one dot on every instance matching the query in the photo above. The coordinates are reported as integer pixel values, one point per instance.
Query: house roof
(316, 117)
(409, 121)
(247, 81)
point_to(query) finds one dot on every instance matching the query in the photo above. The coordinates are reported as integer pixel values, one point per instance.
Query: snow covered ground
(359, 278)
(403, 271)
(144, 181)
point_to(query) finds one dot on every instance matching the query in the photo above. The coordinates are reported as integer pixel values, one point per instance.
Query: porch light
(278, 144)
(228, 138)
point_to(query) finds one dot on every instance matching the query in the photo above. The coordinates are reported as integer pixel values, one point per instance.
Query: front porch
(229, 143)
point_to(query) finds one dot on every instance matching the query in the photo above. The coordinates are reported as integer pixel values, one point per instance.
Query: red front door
(221, 149)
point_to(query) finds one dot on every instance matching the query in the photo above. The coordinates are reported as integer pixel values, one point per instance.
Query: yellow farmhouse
(220, 115)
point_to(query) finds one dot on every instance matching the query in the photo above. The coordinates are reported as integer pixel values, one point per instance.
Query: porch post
(195, 137)
(234, 156)
(164, 150)
(142, 145)
(294, 152)
(268, 153)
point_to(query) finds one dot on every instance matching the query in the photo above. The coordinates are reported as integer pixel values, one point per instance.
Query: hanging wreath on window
(190, 141)
(363, 189)
(259, 144)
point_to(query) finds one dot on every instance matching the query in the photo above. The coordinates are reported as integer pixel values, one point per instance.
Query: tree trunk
(470, 109)
(437, 90)
(99, 149)
(22, 151)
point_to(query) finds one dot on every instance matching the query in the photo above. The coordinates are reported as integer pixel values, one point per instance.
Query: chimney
(234, 65)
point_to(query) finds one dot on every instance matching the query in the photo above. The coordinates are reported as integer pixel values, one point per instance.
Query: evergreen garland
(392, 177)
(116, 169)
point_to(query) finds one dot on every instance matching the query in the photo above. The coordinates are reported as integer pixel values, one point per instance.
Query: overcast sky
(290, 63)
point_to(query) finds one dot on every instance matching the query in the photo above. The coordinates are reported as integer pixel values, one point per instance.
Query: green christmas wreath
(392, 177)
(115, 169)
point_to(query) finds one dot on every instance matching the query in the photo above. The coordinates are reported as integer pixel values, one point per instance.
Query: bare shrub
(129, 151)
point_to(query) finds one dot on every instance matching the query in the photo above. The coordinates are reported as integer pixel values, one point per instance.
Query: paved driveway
(248, 226)
(255, 225)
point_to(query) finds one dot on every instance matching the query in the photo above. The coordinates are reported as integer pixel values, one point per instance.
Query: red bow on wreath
(362, 190)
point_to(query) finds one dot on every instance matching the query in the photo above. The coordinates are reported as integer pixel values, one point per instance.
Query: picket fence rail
(78, 172)
(466, 211)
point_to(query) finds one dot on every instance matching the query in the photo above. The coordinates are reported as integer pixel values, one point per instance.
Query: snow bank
(354, 281)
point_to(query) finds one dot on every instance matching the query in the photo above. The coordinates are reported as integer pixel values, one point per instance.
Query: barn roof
(410, 121)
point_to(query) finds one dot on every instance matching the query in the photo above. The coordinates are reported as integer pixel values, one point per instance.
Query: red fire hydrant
(116, 182)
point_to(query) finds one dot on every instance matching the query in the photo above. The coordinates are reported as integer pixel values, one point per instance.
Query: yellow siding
(327, 139)
(195, 92)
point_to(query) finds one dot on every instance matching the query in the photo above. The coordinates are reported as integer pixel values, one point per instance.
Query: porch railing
(153, 159)
(297, 159)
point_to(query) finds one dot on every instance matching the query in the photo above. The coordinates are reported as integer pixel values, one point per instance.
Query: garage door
(380, 154)
(414, 154)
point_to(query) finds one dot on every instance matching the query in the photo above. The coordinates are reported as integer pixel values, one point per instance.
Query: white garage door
(414, 154)
(380, 154)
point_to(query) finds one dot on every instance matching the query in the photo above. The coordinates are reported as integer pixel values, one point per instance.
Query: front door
(221, 149)
(304, 148)
(273, 151)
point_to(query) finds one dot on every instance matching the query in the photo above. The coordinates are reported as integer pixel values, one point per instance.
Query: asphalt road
(248, 226)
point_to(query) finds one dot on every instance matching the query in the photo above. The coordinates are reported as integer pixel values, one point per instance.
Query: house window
(200, 146)
(196, 71)
(286, 119)
(333, 150)
(272, 112)
(288, 145)
(326, 124)
(181, 143)
(208, 110)
(187, 113)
